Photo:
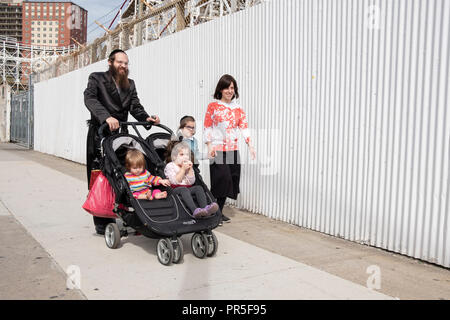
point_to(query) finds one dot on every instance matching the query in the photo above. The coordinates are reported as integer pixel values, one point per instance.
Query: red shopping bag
(94, 175)
(101, 197)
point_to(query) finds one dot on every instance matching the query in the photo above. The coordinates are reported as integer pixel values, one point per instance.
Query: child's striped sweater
(142, 182)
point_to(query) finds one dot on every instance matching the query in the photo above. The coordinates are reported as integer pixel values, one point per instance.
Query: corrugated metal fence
(347, 100)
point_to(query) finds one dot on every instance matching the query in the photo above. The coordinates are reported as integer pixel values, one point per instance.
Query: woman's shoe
(225, 218)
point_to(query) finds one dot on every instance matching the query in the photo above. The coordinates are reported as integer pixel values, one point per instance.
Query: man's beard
(121, 78)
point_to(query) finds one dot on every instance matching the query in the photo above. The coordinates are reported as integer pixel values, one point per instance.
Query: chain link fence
(22, 118)
(143, 22)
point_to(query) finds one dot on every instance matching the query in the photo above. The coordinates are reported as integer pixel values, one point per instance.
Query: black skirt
(225, 172)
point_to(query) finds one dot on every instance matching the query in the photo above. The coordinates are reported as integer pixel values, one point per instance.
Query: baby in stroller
(181, 175)
(168, 216)
(140, 180)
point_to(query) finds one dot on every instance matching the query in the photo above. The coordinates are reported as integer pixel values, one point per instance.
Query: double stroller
(164, 219)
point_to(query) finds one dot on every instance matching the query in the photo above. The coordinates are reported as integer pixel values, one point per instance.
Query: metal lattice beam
(18, 61)
(140, 22)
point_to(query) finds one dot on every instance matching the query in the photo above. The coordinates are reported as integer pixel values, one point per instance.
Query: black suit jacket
(102, 99)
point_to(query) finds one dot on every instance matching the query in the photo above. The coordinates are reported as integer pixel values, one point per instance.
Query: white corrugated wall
(347, 101)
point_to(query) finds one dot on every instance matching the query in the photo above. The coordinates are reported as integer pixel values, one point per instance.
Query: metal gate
(22, 119)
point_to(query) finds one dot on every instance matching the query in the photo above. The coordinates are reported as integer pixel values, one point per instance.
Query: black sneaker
(225, 218)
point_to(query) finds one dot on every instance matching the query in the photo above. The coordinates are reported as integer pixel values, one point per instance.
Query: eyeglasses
(122, 63)
(190, 128)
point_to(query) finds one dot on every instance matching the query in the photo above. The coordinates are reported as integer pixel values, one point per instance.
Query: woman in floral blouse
(223, 120)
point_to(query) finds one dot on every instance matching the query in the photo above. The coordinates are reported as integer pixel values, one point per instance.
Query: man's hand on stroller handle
(113, 123)
(154, 119)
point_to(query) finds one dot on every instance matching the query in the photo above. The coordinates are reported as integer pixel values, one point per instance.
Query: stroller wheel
(178, 251)
(200, 245)
(213, 243)
(165, 251)
(112, 235)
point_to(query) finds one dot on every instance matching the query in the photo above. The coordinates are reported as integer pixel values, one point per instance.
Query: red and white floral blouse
(223, 121)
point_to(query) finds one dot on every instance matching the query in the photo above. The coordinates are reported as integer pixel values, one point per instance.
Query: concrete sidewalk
(27, 270)
(257, 258)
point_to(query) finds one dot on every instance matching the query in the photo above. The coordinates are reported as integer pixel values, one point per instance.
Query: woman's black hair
(224, 82)
(112, 55)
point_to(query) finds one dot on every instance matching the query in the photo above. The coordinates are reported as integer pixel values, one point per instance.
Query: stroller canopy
(127, 142)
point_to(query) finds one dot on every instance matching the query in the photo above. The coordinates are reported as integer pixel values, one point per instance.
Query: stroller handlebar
(146, 124)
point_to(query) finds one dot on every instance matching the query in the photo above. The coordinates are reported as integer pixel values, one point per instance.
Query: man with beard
(109, 96)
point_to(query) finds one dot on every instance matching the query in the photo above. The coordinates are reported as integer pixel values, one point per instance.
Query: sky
(101, 10)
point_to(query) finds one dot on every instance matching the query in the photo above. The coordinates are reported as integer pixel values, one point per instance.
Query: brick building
(48, 23)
